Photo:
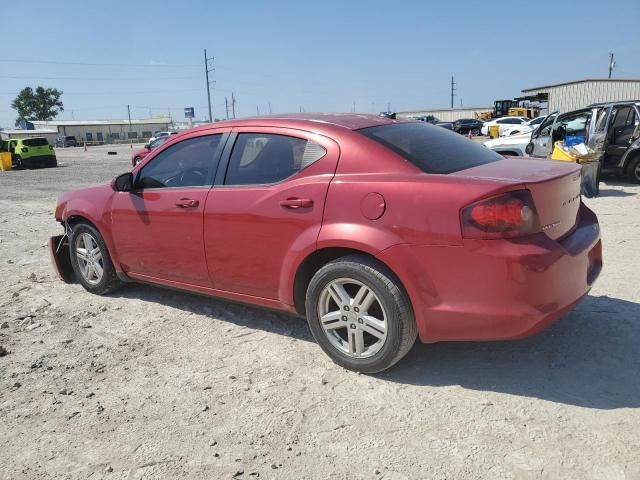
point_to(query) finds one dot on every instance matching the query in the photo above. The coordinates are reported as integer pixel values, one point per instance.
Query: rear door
(623, 123)
(266, 206)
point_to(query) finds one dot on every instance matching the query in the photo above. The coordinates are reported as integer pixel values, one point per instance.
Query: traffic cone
(470, 135)
(131, 145)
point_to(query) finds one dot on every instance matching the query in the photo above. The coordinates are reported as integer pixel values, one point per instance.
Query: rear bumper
(497, 289)
(40, 160)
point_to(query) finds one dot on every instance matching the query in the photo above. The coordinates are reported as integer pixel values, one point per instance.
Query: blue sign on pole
(188, 112)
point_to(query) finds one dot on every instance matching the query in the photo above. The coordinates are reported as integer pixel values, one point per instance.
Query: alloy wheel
(353, 318)
(89, 258)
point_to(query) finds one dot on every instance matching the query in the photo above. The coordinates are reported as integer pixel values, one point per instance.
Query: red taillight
(509, 215)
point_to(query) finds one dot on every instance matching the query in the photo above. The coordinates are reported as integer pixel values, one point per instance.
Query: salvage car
(466, 125)
(526, 127)
(611, 130)
(30, 152)
(377, 231)
(503, 122)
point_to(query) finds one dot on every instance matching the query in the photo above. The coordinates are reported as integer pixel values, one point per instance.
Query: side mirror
(123, 183)
(147, 146)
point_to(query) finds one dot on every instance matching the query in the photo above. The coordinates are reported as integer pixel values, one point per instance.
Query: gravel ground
(151, 383)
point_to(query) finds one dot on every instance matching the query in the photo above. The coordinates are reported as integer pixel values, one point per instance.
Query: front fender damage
(60, 257)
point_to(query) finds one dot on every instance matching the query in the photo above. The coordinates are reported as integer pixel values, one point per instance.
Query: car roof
(309, 121)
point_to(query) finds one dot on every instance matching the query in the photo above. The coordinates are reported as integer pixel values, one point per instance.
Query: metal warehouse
(106, 131)
(445, 114)
(580, 93)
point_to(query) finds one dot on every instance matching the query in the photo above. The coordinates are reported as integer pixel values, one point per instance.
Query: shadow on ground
(611, 192)
(590, 358)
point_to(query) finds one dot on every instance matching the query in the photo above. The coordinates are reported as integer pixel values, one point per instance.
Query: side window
(545, 127)
(602, 120)
(260, 158)
(191, 163)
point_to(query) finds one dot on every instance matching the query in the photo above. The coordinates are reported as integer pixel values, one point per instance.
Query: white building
(445, 114)
(48, 133)
(578, 94)
(106, 131)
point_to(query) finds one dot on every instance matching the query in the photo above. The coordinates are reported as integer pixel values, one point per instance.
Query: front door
(157, 228)
(541, 137)
(267, 208)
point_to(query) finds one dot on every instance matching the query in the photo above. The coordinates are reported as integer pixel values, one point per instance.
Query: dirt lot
(150, 383)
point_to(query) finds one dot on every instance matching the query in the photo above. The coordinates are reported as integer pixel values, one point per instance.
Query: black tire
(109, 281)
(136, 161)
(18, 162)
(633, 169)
(53, 163)
(475, 132)
(401, 331)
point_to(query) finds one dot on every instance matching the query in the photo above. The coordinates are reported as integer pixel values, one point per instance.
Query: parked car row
(611, 130)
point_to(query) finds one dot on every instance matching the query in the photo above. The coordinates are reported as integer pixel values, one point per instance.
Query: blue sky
(320, 56)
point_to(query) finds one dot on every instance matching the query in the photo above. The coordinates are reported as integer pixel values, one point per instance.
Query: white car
(503, 123)
(157, 135)
(513, 145)
(526, 127)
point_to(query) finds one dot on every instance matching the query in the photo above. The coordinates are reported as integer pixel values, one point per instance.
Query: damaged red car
(378, 231)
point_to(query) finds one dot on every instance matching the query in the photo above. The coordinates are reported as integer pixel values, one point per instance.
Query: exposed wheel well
(76, 219)
(317, 260)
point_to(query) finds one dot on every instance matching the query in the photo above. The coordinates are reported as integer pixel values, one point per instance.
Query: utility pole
(233, 105)
(226, 106)
(612, 63)
(258, 110)
(269, 108)
(354, 106)
(129, 113)
(209, 69)
(453, 90)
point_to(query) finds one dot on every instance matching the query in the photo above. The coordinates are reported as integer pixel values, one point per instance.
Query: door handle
(187, 203)
(295, 203)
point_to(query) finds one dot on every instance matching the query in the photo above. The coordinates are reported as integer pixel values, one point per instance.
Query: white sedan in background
(503, 122)
(513, 145)
(526, 127)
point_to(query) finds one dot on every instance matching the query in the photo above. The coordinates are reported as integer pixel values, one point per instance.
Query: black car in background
(66, 141)
(466, 125)
(434, 121)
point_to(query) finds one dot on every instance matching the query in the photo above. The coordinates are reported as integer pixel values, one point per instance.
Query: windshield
(432, 149)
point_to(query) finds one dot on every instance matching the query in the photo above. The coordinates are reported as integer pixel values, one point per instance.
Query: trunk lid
(554, 186)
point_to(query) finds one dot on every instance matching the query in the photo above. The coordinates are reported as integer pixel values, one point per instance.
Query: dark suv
(66, 141)
(466, 125)
(612, 130)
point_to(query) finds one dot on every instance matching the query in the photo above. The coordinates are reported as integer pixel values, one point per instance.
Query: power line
(90, 64)
(146, 79)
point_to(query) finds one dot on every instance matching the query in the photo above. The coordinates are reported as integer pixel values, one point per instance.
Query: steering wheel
(193, 176)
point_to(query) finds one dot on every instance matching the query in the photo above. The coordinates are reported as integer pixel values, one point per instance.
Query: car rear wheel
(91, 262)
(633, 170)
(359, 314)
(18, 162)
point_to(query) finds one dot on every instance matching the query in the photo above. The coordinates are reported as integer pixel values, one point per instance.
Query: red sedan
(140, 153)
(376, 230)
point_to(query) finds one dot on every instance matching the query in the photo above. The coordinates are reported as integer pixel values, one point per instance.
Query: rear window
(35, 142)
(431, 148)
